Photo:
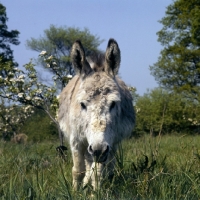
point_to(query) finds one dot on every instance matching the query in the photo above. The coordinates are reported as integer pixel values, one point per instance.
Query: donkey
(95, 113)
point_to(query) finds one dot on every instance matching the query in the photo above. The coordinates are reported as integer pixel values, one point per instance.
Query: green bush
(39, 127)
(159, 111)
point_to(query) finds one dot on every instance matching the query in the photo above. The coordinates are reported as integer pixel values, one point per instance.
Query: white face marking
(99, 106)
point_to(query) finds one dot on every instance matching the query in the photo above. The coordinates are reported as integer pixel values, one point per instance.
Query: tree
(161, 112)
(7, 64)
(6, 38)
(56, 45)
(178, 67)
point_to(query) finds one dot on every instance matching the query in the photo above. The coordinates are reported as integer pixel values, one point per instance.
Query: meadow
(166, 167)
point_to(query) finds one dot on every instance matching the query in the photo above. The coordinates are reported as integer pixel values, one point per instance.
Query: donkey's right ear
(78, 59)
(113, 57)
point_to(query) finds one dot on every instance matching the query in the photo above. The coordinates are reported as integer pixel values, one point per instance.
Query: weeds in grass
(146, 168)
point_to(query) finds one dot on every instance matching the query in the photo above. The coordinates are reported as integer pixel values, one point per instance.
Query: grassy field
(166, 167)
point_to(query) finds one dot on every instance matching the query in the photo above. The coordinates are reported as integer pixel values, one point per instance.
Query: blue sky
(133, 23)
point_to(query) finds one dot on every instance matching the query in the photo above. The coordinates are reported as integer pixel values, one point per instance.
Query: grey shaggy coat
(95, 113)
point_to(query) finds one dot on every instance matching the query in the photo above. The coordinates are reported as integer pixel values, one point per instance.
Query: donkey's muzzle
(99, 152)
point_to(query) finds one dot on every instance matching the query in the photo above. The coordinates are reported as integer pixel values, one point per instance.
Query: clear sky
(133, 23)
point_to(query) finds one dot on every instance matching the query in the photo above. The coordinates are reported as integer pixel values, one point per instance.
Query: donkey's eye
(112, 105)
(83, 106)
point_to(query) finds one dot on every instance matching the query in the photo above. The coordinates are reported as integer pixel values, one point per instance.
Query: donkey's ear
(78, 59)
(112, 57)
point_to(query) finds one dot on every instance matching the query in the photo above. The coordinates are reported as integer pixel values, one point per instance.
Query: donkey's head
(98, 98)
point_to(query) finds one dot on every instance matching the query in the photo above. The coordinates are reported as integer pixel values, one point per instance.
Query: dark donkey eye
(112, 105)
(83, 106)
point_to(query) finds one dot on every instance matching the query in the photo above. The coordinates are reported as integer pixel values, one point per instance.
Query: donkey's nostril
(90, 149)
(99, 152)
(107, 150)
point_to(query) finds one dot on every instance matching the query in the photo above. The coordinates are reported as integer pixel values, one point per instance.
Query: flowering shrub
(24, 88)
(161, 112)
(61, 76)
(12, 118)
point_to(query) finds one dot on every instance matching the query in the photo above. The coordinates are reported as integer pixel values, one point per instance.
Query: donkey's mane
(96, 61)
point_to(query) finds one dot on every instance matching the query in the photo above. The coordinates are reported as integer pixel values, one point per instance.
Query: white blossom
(10, 73)
(15, 69)
(32, 75)
(190, 120)
(28, 98)
(20, 95)
(50, 57)
(132, 88)
(20, 80)
(39, 91)
(43, 53)
(69, 76)
(27, 107)
(12, 80)
(37, 98)
(137, 110)
(21, 76)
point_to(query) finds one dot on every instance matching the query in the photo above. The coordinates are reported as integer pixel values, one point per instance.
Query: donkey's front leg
(78, 170)
(102, 170)
(96, 174)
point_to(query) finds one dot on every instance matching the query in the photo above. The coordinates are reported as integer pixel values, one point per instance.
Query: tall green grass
(165, 167)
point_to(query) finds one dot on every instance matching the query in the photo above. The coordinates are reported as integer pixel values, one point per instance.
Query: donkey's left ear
(113, 58)
(78, 59)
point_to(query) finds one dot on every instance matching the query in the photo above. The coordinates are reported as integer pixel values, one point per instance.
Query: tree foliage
(57, 42)
(178, 67)
(163, 112)
(6, 38)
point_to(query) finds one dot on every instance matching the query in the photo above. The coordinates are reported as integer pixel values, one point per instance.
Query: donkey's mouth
(100, 159)
(99, 155)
